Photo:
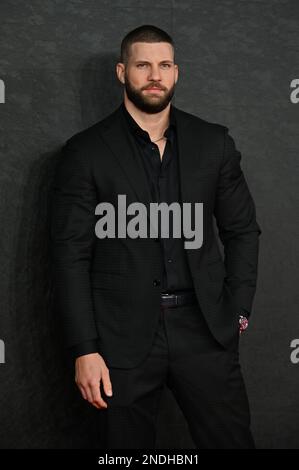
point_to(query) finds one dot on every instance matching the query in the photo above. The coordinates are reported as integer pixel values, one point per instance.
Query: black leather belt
(175, 299)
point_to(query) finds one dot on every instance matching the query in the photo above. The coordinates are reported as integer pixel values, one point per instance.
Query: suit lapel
(188, 143)
(122, 145)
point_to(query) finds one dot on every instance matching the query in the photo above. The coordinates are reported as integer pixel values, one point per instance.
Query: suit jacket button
(157, 282)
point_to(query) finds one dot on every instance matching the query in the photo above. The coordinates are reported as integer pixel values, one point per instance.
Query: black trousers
(204, 377)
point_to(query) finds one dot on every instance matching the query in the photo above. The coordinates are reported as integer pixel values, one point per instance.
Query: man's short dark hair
(144, 33)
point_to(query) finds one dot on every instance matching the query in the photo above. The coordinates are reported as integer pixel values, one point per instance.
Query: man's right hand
(90, 370)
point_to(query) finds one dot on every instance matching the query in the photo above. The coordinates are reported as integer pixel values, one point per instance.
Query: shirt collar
(138, 131)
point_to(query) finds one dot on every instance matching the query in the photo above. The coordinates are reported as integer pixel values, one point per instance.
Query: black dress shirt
(164, 183)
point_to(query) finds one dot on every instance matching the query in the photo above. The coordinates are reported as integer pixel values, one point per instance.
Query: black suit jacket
(108, 289)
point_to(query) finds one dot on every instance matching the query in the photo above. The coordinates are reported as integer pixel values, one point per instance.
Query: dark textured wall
(237, 60)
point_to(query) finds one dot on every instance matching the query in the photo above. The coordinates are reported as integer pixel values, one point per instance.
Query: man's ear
(120, 72)
(177, 72)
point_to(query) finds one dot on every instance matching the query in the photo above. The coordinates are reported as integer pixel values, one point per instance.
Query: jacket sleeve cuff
(86, 347)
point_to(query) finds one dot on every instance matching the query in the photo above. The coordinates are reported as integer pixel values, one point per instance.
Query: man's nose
(155, 73)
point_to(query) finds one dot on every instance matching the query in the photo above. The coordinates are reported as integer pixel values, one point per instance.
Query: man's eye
(166, 65)
(140, 65)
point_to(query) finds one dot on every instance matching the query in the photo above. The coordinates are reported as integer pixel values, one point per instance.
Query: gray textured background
(236, 59)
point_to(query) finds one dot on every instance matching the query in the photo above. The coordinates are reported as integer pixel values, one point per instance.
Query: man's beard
(144, 102)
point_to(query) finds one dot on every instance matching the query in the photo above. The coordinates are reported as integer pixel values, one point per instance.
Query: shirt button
(169, 260)
(156, 282)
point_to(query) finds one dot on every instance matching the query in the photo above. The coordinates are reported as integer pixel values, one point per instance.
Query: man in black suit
(141, 313)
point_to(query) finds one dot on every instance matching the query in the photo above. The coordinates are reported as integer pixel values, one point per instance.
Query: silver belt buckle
(166, 295)
(171, 296)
